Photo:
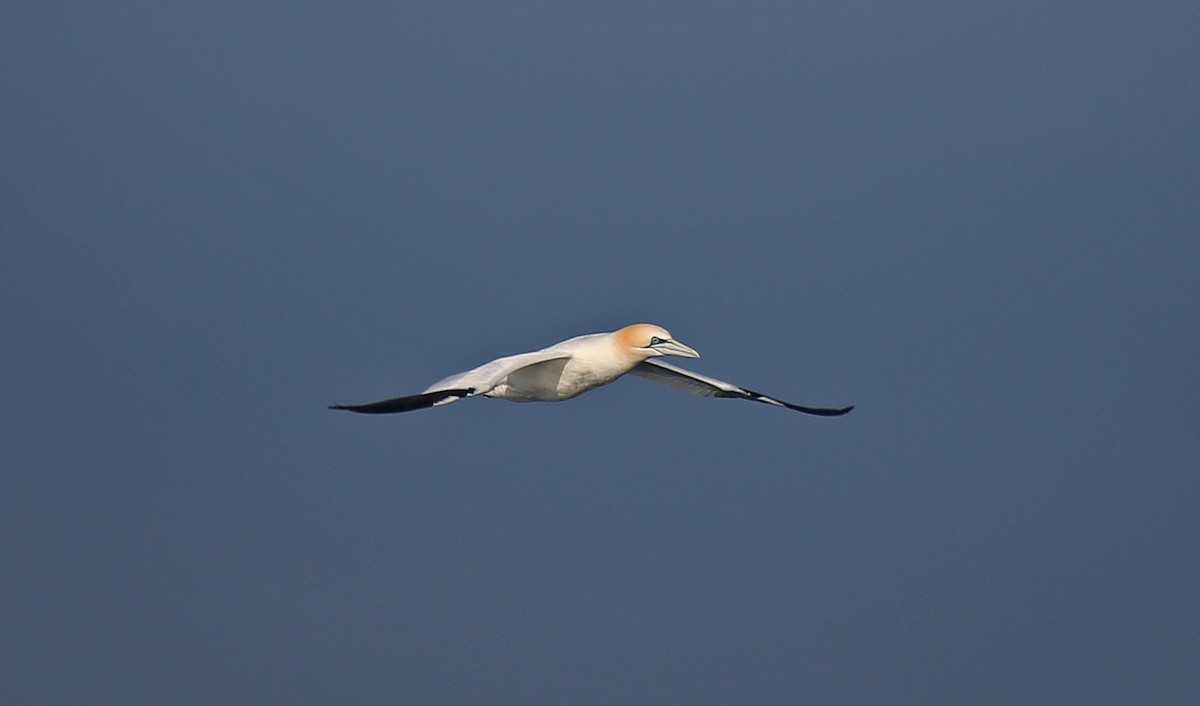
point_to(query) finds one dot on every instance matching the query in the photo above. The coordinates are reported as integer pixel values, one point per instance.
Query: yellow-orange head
(649, 340)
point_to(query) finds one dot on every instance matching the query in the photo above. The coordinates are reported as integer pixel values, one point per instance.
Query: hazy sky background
(980, 223)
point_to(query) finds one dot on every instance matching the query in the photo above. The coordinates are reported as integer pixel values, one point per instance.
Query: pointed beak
(673, 347)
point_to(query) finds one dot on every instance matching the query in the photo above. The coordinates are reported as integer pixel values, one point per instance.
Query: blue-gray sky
(977, 222)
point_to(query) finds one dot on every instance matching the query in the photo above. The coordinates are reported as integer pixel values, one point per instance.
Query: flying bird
(574, 366)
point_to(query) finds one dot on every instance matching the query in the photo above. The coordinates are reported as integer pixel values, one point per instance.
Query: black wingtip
(407, 404)
(759, 397)
(820, 411)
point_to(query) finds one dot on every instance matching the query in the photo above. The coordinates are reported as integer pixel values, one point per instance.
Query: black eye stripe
(655, 340)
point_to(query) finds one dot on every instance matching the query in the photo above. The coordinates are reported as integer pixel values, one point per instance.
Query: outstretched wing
(488, 375)
(704, 386)
(476, 381)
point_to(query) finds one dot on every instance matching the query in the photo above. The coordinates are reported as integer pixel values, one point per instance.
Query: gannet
(574, 366)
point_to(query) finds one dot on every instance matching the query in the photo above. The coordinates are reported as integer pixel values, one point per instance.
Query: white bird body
(574, 366)
(555, 373)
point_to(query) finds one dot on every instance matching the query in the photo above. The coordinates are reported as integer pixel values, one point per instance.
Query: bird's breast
(584, 372)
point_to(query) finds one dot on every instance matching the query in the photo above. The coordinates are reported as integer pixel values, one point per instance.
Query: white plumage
(572, 367)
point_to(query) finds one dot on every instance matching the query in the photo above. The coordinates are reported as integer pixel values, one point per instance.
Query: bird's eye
(655, 340)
